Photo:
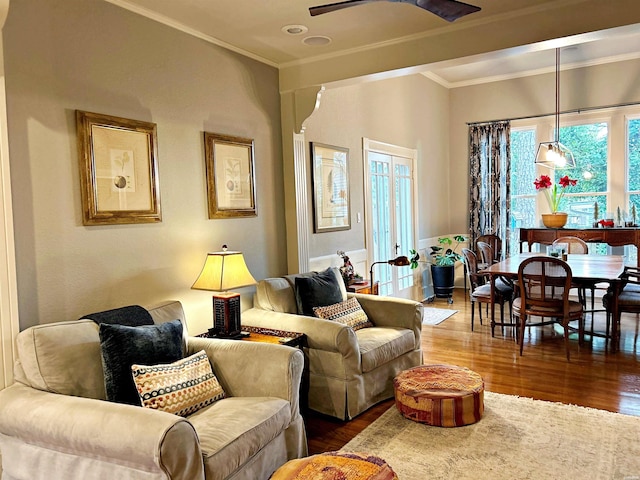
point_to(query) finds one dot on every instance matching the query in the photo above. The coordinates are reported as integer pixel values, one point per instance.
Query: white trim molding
(9, 320)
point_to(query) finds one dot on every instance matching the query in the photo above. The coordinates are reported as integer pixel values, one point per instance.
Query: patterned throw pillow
(181, 388)
(348, 313)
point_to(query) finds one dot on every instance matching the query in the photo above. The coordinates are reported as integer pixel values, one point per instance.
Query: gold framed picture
(118, 170)
(330, 172)
(231, 190)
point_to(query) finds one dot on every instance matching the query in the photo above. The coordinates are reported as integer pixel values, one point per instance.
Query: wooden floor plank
(593, 378)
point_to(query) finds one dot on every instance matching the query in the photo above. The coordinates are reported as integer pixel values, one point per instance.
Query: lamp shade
(223, 271)
(555, 155)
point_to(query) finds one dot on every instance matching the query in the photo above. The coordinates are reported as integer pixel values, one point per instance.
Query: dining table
(584, 267)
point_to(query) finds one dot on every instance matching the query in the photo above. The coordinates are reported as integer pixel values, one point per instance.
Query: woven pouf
(440, 395)
(336, 465)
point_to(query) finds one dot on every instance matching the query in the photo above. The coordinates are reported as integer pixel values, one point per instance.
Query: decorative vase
(554, 220)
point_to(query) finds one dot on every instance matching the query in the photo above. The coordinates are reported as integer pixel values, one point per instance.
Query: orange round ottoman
(440, 395)
(336, 465)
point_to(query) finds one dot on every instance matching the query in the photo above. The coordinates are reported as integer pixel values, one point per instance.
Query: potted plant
(443, 267)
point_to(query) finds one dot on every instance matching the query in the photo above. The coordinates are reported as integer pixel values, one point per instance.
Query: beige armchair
(55, 422)
(349, 371)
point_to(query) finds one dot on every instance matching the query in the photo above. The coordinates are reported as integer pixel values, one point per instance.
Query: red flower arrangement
(544, 183)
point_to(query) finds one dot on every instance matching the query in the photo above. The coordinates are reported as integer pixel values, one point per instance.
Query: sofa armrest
(252, 369)
(124, 436)
(321, 334)
(393, 312)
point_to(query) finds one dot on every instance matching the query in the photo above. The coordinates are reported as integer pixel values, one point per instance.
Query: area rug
(517, 438)
(434, 316)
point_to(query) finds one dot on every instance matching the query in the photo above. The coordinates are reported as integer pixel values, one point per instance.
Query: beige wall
(411, 112)
(63, 55)
(596, 86)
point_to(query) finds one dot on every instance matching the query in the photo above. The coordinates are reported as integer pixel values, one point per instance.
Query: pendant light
(554, 154)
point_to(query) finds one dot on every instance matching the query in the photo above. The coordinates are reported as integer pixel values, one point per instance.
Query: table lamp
(400, 261)
(221, 272)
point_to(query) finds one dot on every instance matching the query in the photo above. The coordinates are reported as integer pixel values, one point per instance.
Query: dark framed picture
(118, 170)
(231, 190)
(330, 176)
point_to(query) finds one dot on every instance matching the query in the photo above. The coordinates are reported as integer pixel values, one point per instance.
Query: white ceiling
(255, 28)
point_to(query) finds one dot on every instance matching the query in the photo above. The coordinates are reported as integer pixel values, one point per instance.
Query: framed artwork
(118, 170)
(231, 190)
(330, 172)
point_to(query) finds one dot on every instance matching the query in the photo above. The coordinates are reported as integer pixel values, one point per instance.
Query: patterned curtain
(490, 171)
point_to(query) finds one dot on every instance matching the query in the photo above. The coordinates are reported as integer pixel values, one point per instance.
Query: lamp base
(226, 315)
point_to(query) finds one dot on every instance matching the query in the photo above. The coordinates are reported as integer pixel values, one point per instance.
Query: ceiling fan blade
(450, 10)
(338, 6)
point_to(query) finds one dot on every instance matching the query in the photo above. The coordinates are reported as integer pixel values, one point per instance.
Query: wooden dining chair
(486, 254)
(480, 288)
(544, 284)
(496, 245)
(574, 246)
(622, 297)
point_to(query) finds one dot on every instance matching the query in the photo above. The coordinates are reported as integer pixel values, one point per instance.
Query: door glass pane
(404, 222)
(381, 222)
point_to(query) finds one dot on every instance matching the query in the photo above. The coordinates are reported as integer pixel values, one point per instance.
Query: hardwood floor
(593, 378)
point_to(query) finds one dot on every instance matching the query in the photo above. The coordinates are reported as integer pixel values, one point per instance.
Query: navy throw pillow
(122, 346)
(133, 316)
(318, 290)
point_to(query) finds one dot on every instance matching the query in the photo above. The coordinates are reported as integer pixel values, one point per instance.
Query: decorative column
(9, 325)
(296, 108)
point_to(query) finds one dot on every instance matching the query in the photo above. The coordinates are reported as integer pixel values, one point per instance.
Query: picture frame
(231, 190)
(118, 165)
(331, 192)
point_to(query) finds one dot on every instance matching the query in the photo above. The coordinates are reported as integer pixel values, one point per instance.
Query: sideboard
(615, 236)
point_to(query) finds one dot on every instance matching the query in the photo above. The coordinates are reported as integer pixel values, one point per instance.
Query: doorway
(391, 213)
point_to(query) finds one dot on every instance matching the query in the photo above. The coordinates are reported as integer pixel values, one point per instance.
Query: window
(589, 143)
(633, 169)
(606, 145)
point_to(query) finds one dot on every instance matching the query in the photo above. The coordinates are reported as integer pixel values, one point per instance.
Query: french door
(391, 214)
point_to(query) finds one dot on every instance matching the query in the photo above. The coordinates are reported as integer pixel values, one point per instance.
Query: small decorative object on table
(346, 270)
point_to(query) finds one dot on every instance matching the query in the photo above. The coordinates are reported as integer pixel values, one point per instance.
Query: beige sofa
(349, 371)
(56, 424)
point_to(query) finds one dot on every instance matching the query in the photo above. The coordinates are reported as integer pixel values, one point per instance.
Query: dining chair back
(496, 244)
(480, 288)
(622, 297)
(486, 254)
(544, 284)
(574, 244)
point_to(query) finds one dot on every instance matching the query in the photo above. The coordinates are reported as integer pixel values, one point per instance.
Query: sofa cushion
(62, 358)
(317, 290)
(181, 387)
(235, 429)
(276, 295)
(381, 345)
(122, 346)
(348, 313)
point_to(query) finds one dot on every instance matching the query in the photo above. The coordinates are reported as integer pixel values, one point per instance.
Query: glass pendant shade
(555, 155)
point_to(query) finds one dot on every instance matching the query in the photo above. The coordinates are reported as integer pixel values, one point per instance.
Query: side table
(267, 335)
(363, 287)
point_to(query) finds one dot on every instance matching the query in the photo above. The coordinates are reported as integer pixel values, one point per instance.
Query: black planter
(443, 277)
